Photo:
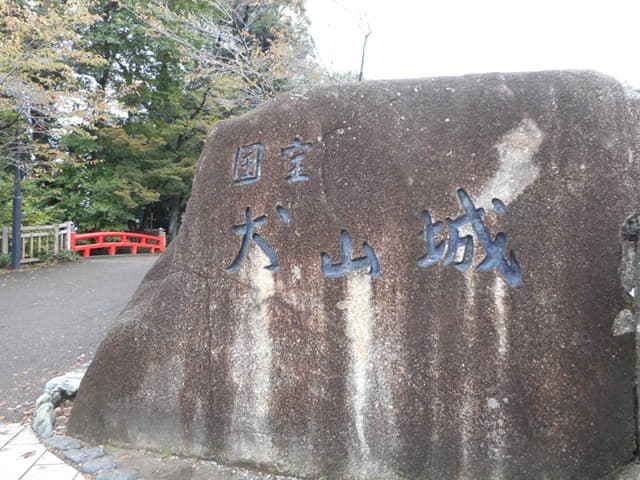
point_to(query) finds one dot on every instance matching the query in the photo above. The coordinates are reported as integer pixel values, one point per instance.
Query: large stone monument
(411, 280)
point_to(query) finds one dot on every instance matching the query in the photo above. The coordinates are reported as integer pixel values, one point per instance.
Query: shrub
(5, 260)
(60, 257)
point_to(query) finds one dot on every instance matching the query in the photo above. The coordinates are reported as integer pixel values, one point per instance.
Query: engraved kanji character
(247, 230)
(247, 166)
(434, 252)
(348, 264)
(297, 153)
(494, 247)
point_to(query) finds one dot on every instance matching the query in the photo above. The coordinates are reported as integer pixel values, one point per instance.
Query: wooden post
(67, 238)
(5, 241)
(163, 240)
(57, 233)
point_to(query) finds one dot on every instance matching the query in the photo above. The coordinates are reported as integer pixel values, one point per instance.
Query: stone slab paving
(23, 457)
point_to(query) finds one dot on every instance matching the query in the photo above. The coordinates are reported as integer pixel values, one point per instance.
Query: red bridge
(113, 240)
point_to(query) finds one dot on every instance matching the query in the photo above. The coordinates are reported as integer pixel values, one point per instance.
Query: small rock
(82, 455)
(44, 398)
(98, 465)
(625, 322)
(117, 475)
(68, 383)
(629, 472)
(46, 409)
(56, 397)
(44, 420)
(60, 442)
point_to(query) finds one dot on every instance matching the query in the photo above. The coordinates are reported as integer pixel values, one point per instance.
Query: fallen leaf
(125, 456)
(29, 454)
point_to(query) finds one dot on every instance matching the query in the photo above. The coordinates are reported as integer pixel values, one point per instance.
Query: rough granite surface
(411, 279)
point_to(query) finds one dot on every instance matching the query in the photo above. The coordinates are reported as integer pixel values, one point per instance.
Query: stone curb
(89, 460)
(55, 391)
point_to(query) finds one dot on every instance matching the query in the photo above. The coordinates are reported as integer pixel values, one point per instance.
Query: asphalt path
(52, 319)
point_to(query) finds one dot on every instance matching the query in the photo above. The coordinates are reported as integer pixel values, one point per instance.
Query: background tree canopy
(110, 100)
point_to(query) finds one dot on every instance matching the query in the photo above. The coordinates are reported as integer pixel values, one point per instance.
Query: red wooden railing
(113, 240)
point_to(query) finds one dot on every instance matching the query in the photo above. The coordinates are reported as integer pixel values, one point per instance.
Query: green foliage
(6, 195)
(164, 71)
(167, 452)
(63, 256)
(39, 91)
(47, 257)
(33, 212)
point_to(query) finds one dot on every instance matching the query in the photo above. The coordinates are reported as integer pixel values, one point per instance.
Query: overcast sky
(423, 38)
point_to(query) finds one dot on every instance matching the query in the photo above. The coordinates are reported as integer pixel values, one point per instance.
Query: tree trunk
(175, 219)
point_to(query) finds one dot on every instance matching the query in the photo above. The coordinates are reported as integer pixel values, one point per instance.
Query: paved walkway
(52, 320)
(23, 457)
